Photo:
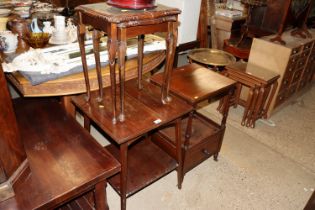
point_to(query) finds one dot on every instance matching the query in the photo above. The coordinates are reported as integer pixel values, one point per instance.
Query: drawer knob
(206, 152)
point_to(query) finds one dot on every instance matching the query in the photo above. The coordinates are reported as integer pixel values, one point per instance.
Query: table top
(253, 71)
(195, 83)
(77, 161)
(211, 57)
(74, 84)
(144, 111)
(117, 15)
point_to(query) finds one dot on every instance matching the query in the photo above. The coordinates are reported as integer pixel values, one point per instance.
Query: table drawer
(202, 151)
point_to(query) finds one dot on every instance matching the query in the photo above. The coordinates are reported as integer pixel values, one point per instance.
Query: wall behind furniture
(187, 31)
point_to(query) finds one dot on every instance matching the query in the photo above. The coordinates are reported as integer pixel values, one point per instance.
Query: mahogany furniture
(262, 86)
(62, 160)
(75, 84)
(142, 162)
(132, 4)
(202, 137)
(294, 62)
(143, 106)
(119, 25)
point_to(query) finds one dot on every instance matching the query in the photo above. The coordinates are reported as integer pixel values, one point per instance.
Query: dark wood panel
(11, 150)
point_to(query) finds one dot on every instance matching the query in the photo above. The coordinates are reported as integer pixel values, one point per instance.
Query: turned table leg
(121, 57)
(81, 39)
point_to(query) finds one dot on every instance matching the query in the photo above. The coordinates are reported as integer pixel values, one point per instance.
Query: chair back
(12, 152)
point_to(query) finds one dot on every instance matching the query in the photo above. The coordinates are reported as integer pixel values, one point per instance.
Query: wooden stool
(202, 136)
(262, 85)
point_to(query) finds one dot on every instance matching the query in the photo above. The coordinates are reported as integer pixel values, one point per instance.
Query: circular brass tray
(212, 57)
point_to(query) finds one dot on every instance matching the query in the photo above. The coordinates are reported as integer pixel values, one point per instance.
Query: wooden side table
(120, 24)
(262, 85)
(142, 105)
(202, 137)
(142, 162)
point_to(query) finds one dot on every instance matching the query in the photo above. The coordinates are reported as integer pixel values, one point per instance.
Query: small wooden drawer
(302, 83)
(301, 63)
(290, 69)
(305, 53)
(280, 98)
(285, 82)
(204, 142)
(201, 151)
(296, 50)
(308, 46)
(296, 76)
(293, 60)
(292, 90)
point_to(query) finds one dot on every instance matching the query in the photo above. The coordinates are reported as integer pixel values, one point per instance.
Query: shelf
(146, 164)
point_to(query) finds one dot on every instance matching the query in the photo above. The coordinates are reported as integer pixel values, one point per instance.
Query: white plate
(4, 12)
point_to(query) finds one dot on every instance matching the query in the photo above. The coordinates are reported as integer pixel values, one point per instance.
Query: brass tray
(211, 57)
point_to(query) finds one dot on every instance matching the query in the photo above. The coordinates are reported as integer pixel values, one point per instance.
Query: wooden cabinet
(294, 62)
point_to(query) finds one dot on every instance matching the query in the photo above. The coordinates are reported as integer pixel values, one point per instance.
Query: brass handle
(206, 152)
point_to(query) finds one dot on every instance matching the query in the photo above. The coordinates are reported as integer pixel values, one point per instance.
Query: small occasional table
(143, 107)
(202, 136)
(120, 24)
(262, 85)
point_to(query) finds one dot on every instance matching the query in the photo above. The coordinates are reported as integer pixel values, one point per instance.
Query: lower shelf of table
(204, 142)
(83, 202)
(146, 164)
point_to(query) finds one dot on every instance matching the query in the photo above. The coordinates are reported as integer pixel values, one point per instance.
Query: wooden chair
(47, 159)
